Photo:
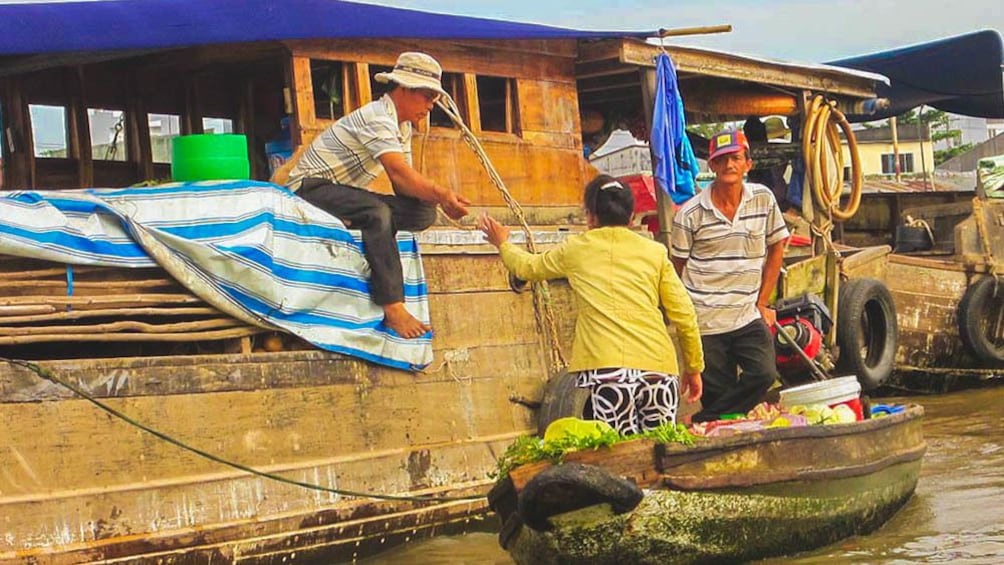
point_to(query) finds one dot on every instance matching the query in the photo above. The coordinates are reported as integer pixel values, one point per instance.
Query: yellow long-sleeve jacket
(623, 283)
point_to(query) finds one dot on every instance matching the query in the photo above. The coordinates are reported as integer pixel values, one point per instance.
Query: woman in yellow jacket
(625, 288)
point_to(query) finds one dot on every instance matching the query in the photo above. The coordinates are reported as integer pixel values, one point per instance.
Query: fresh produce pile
(766, 415)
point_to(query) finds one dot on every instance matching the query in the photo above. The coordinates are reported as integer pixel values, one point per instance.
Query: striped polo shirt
(725, 258)
(348, 151)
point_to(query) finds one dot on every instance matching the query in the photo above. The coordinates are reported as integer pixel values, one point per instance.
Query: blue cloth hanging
(675, 166)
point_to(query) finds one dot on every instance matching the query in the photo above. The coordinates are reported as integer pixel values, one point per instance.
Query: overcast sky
(797, 30)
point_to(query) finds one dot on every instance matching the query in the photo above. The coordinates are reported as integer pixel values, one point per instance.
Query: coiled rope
(49, 376)
(821, 149)
(543, 313)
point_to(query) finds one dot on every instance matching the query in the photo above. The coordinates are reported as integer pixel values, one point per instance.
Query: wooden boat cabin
(81, 486)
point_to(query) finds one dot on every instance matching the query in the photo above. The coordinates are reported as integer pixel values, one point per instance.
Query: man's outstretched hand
(454, 205)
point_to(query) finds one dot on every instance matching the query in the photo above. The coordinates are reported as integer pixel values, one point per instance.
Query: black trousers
(378, 217)
(726, 391)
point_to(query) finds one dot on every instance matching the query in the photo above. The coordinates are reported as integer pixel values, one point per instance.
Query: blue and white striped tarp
(251, 249)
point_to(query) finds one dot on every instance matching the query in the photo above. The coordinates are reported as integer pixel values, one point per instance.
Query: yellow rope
(821, 145)
(543, 313)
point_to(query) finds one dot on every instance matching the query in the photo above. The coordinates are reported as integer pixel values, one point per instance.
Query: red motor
(805, 319)
(804, 334)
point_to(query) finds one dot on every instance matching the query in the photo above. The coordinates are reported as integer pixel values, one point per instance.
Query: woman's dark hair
(609, 200)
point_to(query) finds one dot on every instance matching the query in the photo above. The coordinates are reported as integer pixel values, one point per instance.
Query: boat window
(108, 134)
(163, 127)
(327, 78)
(497, 103)
(378, 89)
(453, 83)
(217, 125)
(48, 130)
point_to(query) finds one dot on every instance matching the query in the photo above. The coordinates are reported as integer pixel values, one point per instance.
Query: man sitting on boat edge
(334, 170)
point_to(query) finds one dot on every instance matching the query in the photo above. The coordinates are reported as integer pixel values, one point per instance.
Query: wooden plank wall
(74, 474)
(542, 165)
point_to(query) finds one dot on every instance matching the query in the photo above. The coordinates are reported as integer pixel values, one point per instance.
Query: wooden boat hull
(927, 292)
(78, 485)
(744, 497)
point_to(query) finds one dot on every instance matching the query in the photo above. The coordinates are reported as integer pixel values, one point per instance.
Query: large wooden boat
(79, 485)
(941, 275)
(728, 499)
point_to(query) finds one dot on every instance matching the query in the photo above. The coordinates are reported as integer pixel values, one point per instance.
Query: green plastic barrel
(210, 157)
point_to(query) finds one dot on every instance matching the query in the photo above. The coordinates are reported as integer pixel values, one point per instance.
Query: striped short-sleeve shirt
(725, 258)
(348, 151)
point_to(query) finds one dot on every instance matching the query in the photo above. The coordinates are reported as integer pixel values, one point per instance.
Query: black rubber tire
(561, 400)
(571, 486)
(510, 530)
(867, 332)
(978, 311)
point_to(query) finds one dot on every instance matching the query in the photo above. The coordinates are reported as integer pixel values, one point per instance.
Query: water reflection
(956, 515)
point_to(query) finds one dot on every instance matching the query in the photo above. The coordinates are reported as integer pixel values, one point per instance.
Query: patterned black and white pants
(632, 400)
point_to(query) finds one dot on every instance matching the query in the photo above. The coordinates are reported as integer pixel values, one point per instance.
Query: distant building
(916, 154)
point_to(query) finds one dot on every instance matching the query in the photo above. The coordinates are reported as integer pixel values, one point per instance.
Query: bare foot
(399, 319)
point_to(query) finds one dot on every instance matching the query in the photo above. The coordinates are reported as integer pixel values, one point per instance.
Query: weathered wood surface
(80, 485)
(794, 454)
(545, 152)
(725, 65)
(927, 294)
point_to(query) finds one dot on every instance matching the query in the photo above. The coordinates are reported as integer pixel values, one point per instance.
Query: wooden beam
(138, 124)
(592, 51)
(633, 85)
(473, 108)
(246, 123)
(303, 87)
(79, 126)
(711, 63)
(19, 162)
(605, 68)
(362, 80)
(455, 57)
(191, 119)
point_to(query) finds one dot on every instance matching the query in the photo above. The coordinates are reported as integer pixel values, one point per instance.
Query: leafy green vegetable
(531, 449)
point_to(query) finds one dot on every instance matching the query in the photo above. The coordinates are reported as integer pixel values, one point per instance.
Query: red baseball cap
(728, 141)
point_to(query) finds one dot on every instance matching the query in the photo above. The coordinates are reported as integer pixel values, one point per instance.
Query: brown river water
(955, 516)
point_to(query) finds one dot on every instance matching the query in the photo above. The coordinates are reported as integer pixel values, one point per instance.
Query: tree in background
(941, 129)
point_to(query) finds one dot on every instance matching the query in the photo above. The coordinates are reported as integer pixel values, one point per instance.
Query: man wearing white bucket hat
(334, 171)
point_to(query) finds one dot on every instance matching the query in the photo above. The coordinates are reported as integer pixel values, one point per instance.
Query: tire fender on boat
(571, 486)
(562, 398)
(867, 331)
(981, 303)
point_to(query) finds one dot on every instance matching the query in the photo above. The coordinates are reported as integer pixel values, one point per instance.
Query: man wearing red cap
(728, 246)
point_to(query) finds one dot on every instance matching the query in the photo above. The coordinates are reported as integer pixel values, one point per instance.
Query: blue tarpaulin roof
(28, 28)
(962, 75)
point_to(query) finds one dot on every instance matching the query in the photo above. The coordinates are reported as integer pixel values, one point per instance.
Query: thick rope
(820, 145)
(543, 313)
(49, 376)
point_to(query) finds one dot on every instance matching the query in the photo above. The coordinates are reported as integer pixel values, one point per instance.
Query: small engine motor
(805, 319)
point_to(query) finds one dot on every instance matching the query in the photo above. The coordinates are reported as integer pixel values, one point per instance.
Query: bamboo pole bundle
(42, 301)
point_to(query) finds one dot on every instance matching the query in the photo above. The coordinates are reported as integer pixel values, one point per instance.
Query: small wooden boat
(748, 496)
